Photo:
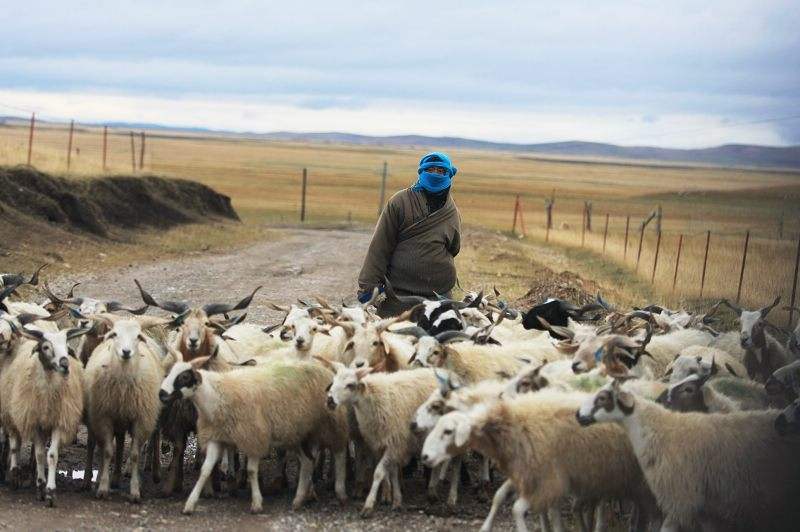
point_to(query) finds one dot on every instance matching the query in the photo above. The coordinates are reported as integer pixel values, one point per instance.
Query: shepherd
(416, 240)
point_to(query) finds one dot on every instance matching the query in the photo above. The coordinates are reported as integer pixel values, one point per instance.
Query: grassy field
(263, 178)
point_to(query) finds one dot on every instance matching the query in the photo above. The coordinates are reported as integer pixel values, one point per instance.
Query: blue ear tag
(598, 354)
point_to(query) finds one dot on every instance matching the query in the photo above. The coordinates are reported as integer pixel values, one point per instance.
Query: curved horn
(566, 332)
(58, 301)
(737, 309)
(375, 293)
(169, 306)
(477, 302)
(113, 306)
(603, 303)
(408, 300)
(34, 281)
(447, 337)
(217, 308)
(416, 330)
(766, 310)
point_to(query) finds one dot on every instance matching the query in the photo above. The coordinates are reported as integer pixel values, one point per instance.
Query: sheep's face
(429, 412)
(609, 404)
(355, 314)
(126, 336)
(788, 421)
(475, 318)
(302, 332)
(429, 353)
(794, 341)
(195, 332)
(181, 383)
(590, 351)
(447, 439)
(529, 379)
(6, 337)
(687, 395)
(88, 307)
(53, 352)
(346, 385)
(750, 330)
(684, 366)
(784, 384)
(365, 347)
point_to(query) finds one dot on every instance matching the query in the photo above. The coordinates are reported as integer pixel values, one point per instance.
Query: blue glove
(365, 295)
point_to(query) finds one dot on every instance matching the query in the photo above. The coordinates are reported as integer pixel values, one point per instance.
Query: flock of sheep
(651, 410)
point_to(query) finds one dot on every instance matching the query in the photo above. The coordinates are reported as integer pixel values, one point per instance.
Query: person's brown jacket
(413, 247)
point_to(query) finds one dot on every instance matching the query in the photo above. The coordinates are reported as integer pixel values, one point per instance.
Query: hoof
(156, 479)
(433, 497)
(187, 511)
(40, 489)
(134, 499)
(13, 478)
(255, 509)
(101, 494)
(342, 500)
(50, 498)
(366, 513)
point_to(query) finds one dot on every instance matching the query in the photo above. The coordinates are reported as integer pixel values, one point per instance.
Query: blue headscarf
(434, 182)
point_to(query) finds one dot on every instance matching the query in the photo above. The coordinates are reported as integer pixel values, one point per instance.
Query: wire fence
(736, 253)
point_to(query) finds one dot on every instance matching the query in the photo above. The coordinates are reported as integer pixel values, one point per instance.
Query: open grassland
(264, 180)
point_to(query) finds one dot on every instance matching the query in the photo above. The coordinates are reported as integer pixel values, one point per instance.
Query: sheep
(470, 362)
(793, 340)
(374, 343)
(450, 396)
(692, 394)
(383, 404)
(783, 386)
(727, 470)
(763, 352)
(281, 404)
(41, 398)
(697, 359)
(788, 421)
(534, 440)
(123, 376)
(558, 312)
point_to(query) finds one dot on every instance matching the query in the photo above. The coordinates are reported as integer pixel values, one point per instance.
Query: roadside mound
(104, 207)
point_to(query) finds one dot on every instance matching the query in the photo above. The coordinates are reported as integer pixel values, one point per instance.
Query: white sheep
(534, 440)
(41, 398)
(276, 405)
(123, 376)
(384, 404)
(718, 470)
(696, 360)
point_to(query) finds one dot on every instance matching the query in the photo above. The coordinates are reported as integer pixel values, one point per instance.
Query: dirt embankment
(105, 207)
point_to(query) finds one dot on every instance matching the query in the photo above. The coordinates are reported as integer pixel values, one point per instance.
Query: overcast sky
(667, 73)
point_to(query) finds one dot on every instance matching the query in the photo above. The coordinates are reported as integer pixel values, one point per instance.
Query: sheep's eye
(375, 344)
(328, 388)
(448, 432)
(351, 386)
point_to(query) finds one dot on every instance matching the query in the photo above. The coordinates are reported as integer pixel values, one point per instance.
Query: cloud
(514, 64)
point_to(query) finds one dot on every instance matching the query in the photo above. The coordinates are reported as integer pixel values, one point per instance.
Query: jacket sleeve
(383, 243)
(454, 246)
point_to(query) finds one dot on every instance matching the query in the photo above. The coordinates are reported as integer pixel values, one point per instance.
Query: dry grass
(263, 178)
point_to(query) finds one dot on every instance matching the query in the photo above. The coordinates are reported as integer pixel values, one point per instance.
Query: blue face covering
(430, 181)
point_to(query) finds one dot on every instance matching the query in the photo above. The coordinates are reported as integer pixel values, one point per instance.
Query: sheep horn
(269, 328)
(766, 310)
(603, 303)
(477, 302)
(221, 308)
(113, 306)
(416, 330)
(169, 306)
(447, 337)
(35, 277)
(58, 301)
(558, 329)
(391, 294)
(7, 291)
(375, 293)
(737, 309)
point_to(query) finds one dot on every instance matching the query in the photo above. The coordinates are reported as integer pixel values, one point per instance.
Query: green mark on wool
(284, 371)
(588, 383)
(732, 387)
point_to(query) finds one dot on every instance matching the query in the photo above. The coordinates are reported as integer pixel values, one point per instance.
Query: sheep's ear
(198, 378)
(662, 399)
(446, 352)
(363, 372)
(731, 370)
(625, 402)
(250, 362)
(714, 367)
(503, 375)
(463, 430)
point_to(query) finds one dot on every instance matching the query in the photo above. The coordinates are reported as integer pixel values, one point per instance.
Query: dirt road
(302, 263)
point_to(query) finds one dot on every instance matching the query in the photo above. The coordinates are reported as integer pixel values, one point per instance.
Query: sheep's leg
(104, 480)
(213, 451)
(669, 525)
(377, 479)
(555, 517)
(455, 477)
(136, 449)
(38, 450)
(13, 469)
(255, 491)
(116, 480)
(52, 468)
(155, 456)
(433, 481)
(304, 479)
(519, 510)
(600, 517)
(3, 454)
(499, 498)
(340, 467)
(174, 481)
(484, 489)
(88, 471)
(544, 522)
(397, 491)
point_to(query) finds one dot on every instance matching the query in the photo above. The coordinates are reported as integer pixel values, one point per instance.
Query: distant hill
(742, 155)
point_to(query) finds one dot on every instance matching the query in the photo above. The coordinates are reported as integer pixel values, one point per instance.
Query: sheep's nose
(299, 342)
(414, 426)
(64, 365)
(163, 396)
(576, 367)
(360, 364)
(126, 353)
(331, 403)
(426, 459)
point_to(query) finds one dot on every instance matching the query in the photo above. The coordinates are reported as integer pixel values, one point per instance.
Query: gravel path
(301, 264)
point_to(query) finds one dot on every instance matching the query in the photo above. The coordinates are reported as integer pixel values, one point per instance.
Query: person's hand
(364, 296)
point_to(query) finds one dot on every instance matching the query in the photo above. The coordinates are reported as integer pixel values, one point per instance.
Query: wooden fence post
(705, 263)
(639, 253)
(141, 153)
(744, 260)
(625, 246)
(383, 187)
(583, 225)
(521, 218)
(605, 235)
(794, 283)
(516, 213)
(655, 260)
(133, 153)
(105, 146)
(588, 207)
(303, 197)
(69, 143)
(30, 138)
(548, 207)
(677, 262)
